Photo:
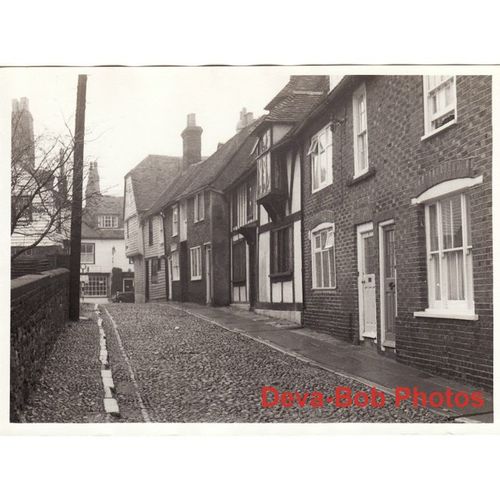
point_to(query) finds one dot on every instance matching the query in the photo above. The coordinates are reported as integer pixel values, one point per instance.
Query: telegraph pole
(76, 203)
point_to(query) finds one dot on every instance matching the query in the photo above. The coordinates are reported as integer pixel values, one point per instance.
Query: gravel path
(70, 389)
(188, 370)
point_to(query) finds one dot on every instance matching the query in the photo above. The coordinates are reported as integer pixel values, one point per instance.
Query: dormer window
(107, 221)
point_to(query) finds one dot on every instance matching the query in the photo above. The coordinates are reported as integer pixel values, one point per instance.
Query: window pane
(317, 241)
(434, 243)
(435, 269)
(332, 266)
(326, 268)
(467, 211)
(455, 267)
(317, 261)
(456, 208)
(446, 221)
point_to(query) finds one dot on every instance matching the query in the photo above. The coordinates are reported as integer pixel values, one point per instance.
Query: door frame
(381, 252)
(208, 266)
(360, 230)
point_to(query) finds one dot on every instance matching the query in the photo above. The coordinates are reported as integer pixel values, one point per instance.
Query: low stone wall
(38, 312)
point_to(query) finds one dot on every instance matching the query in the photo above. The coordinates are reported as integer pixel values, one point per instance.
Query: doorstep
(353, 361)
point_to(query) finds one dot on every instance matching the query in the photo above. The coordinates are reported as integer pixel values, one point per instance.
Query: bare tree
(41, 183)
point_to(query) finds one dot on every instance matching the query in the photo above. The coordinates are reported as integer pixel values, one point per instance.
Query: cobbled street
(189, 370)
(184, 369)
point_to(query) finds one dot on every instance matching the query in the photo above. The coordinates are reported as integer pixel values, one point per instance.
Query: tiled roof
(102, 205)
(205, 173)
(294, 107)
(300, 83)
(151, 176)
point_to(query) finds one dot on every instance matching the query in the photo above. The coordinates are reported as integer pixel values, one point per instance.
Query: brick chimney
(191, 142)
(93, 188)
(246, 118)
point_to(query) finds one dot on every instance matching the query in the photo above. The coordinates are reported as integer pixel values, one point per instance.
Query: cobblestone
(189, 370)
(70, 389)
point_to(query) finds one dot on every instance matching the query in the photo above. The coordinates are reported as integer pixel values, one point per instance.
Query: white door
(208, 270)
(367, 262)
(170, 278)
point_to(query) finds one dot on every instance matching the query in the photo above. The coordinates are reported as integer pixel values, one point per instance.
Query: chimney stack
(246, 118)
(191, 139)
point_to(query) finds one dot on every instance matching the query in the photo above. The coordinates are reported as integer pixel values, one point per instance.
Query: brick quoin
(403, 166)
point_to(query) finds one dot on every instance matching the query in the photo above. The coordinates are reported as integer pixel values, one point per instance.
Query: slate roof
(206, 173)
(151, 176)
(102, 205)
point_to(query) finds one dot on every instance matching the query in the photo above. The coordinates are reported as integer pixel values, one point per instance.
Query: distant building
(36, 191)
(105, 267)
(144, 243)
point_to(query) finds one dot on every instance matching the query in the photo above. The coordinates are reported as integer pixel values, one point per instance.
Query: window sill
(286, 276)
(440, 129)
(430, 313)
(323, 289)
(240, 283)
(360, 178)
(197, 221)
(198, 278)
(314, 191)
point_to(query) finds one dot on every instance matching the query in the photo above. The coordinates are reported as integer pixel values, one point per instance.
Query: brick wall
(402, 166)
(38, 311)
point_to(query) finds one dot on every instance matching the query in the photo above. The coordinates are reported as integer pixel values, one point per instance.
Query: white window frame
(107, 221)
(196, 263)
(444, 308)
(175, 220)
(360, 130)
(314, 154)
(326, 226)
(199, 207)
(84, 255)
(431, 88)
(174, 256)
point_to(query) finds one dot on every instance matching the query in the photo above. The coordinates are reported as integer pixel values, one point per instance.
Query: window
(251, 201)
(150, 231)
(239, 262)
(87, 253)
(128, 230)
(130, 260)
(199, 207)
(107, 221)
(23, 209)
(360, 131)
(282, 251)
(97, 285)
(264, 175)
(449, 255)
(154, 270)
(320, 152)
(195, 263)
(323, 256)
(440, 102)
(175, 266)
(175, 220)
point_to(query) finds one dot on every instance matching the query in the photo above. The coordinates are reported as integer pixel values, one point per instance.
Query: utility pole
(76, 203)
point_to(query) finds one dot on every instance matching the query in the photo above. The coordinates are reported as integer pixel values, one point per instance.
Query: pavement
(356, 362)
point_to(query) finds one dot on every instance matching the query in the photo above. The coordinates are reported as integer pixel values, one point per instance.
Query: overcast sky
(133, 112)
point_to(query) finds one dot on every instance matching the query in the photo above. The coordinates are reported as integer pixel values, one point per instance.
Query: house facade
(266, 225)
(105, 269)
(196, 219)
(143, 235)
(397, 235)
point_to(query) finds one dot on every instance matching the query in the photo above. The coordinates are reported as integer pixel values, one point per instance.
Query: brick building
(196, 217)
(397, 238)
